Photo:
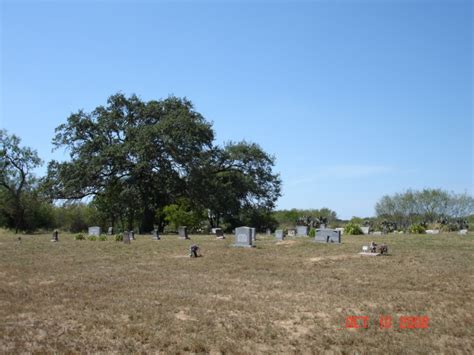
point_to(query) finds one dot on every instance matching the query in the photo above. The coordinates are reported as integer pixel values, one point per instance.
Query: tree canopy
(17, 181)
(135, 157)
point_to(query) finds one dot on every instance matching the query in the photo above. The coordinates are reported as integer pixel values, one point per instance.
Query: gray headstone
(327, 236)
(254, 233)
(463, 232)
(94, 231)
(269, 231)
(132, 235)
(365, 230)
(183, 232)
(156, 234)
(291, 232)
(301, 231)
(219, 232)
(432, 231)
(110, 231)
(377, 233)
(126, 237)
(243, 237)
(279, 234)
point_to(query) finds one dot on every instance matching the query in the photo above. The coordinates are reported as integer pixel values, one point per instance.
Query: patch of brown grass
(150, 296)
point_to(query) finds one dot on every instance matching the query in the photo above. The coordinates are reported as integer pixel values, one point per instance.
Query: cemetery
(171, 294)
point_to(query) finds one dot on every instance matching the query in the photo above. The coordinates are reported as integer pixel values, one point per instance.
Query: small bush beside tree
(353, 229)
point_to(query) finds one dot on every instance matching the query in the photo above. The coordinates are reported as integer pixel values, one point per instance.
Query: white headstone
(365, 230)
(301, 231)
(94, 231)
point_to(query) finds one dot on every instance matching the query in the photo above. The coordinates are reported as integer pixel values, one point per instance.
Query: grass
(294, 296)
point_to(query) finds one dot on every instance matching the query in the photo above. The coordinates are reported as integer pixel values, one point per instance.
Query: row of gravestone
(245, 236)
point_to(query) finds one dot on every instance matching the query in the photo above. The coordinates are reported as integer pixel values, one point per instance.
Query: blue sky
(356, 99)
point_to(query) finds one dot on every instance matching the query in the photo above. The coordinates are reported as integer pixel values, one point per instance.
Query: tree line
(144, 165)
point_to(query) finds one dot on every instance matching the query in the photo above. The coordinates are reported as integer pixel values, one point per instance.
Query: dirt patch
(333, 257)
(181, 315)
(286, 242)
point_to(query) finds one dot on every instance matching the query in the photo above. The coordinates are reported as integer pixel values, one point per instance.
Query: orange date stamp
(387, 322)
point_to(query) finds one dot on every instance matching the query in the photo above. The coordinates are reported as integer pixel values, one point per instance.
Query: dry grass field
(287, 297)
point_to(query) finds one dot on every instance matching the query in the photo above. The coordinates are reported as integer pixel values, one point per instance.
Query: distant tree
(425, 207)
(16, 178)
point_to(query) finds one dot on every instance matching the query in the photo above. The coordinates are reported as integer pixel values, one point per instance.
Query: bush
(79, 237)
(312, 232)
(119, 237)
(92, 238)
(417, 229)
(353, 229)
(103, 237)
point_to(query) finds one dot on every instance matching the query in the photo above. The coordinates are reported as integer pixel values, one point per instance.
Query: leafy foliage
(417, 229)
(79, 237)
(352, 229)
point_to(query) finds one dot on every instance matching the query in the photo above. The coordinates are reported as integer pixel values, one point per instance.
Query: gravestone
(219, 233)
(243, 237)
(432, 231)
(183, 232)
(132, 235)
(156, 234)
(301, 231)
(126, 237)
(55, 236)
(279, 235)
(463, 232)
(110, 231)
(269, 231)
(340, 230)
(291, 232)
(254, 233)
(327, 236)
(365, 230)
(377, 233)
(94, 231)
(213, 230)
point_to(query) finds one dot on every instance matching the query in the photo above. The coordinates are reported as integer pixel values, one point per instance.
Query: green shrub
(312, 232)
(417, 229)
(92, 238)
(103, 238)
(353, 229)
(79, 237)
(119, 237)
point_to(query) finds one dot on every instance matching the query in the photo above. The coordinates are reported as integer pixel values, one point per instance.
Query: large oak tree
(136, 157)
